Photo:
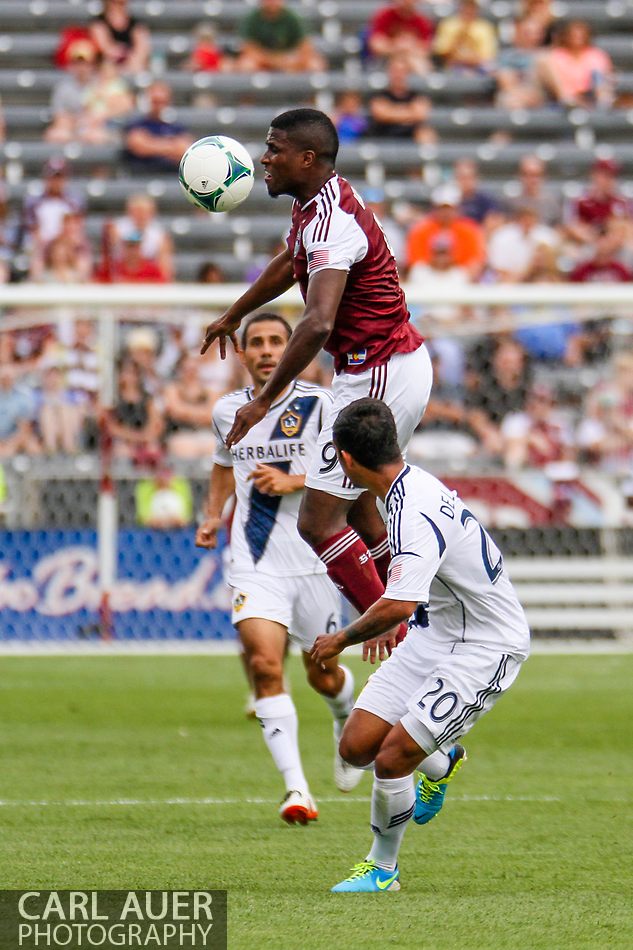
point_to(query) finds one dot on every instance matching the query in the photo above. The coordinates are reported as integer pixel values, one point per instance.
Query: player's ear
(346, 459)
(309, 158)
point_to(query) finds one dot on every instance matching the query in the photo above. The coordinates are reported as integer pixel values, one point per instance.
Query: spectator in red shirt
(206, 56)
(600, 204)
(604, 266)
(399, 30)
(131, 267)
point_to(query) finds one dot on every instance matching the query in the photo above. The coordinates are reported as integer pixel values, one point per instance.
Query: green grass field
(534, 848)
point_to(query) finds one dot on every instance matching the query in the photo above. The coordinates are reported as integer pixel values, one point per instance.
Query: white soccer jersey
(264, 536)
(445, 561)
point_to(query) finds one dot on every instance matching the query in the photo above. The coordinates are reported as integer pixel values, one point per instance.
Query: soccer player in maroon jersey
(355, 309)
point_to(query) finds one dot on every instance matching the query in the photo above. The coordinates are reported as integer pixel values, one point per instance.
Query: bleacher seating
(466, 121)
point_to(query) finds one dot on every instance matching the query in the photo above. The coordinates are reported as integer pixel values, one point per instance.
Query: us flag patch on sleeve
(318, 258)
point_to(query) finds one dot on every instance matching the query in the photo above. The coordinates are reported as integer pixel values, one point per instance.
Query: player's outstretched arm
(221, 487)
(381, 617)
(324, 296)
(275, 279)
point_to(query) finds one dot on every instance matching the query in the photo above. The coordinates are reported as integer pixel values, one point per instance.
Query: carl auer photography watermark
(78, 920)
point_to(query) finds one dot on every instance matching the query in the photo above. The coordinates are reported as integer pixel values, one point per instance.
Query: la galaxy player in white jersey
(279, 584)
(467, 639)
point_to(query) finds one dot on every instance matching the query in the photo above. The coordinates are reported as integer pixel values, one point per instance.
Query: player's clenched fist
(207, 533)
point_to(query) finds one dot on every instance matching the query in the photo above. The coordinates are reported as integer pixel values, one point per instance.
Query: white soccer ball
(216, 173)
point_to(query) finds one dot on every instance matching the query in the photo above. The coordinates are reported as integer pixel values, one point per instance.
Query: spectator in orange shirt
(467, 237)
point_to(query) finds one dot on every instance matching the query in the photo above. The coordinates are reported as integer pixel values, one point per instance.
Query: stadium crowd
(527, 397)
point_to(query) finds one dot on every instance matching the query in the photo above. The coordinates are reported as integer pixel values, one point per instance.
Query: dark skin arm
(324, 296)
(381, 617)
(277, 277)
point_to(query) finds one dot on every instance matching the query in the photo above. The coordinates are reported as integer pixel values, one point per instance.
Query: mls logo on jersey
(238, 602)
(290, 423)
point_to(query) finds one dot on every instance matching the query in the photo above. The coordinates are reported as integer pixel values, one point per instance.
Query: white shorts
(437, 691)
(404, 383)
(306, 605)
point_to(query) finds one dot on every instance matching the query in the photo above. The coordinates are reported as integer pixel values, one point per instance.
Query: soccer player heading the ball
(467, 640)
(279, 585)
(355, 309)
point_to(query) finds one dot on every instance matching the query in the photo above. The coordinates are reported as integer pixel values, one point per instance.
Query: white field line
(341, 799)
(553, 646)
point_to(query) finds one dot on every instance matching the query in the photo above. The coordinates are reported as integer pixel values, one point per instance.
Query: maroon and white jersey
(335, 231)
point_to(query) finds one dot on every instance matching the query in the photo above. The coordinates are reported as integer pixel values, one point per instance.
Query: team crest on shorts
(238, 602)
(290, 423)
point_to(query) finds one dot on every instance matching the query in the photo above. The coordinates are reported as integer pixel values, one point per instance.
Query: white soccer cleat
(346, 777)
(298, 808)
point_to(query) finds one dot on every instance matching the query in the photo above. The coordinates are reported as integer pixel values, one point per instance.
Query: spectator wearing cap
(274, 39)
(154, 143)
(129, 267)
(156, 243)
(575, 72)
(599, 206)
(397, 111)
(466, 41)
(512, 247)
(535, 192)
(120, 37)
(475, 202)
(399, 29)
(71, 122)
(469, 249)
(43, 214)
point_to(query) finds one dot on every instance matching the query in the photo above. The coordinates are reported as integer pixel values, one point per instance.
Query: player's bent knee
(266, 671)
(354, 751)
(390, 764)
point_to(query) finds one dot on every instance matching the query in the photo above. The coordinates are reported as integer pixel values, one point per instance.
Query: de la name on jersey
(264, 536)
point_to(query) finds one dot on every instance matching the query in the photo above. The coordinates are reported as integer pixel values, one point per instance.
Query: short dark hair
(367, 430)
(310, 129)
(260, 318)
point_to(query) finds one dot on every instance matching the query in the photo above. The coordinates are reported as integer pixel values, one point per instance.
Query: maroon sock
(350, 566)
(382, 557)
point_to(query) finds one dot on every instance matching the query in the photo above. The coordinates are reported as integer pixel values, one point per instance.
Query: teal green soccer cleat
(368, 878)
(429, 796)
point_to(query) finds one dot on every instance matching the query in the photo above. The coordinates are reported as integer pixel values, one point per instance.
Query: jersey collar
(287, 392)
(319, 192)
(394, 485)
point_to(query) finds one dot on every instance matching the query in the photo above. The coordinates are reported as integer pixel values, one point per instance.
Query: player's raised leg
(264, 644)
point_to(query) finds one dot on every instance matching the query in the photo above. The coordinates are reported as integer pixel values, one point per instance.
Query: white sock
(436, 765)
(278, 718)
(342, 704)
(392, 802)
